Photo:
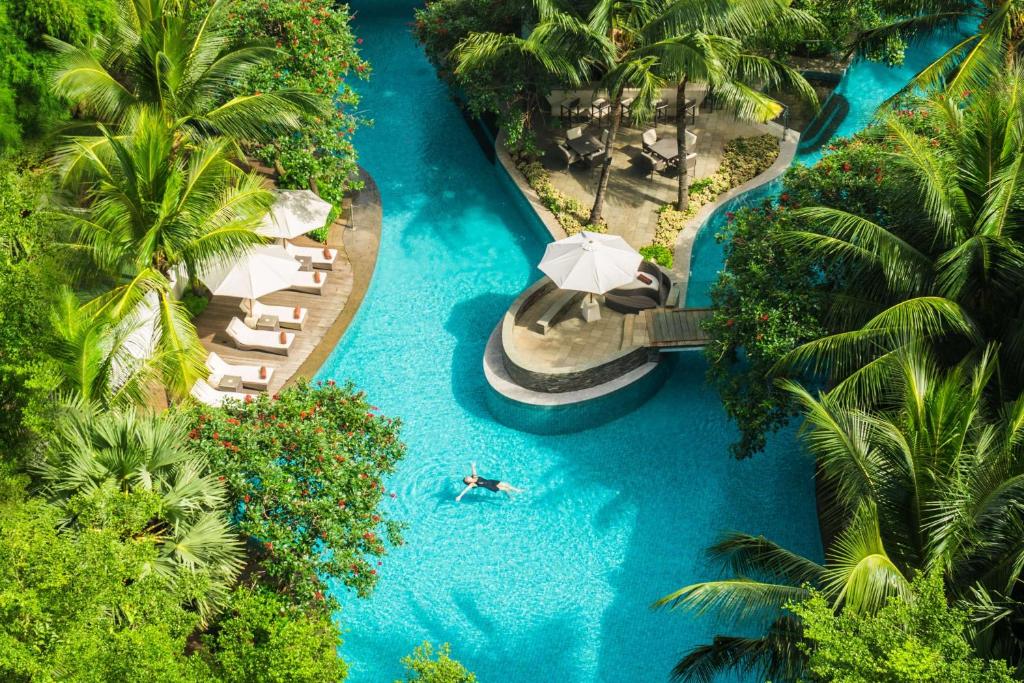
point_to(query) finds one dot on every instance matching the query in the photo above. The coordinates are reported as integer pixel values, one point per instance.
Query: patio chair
(598, 109)
(569, 109)
(574, 133)
(247, 339)
(569, 155)
(655, 164)
(660, 111)
(322, 257)
(649, 137)
(307, 282)
(626, 105)
(204, 393)
(286, 315)
(250, 374)
(691, 141)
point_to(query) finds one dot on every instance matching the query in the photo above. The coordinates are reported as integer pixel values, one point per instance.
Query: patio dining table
(666, 148)
(587, 146)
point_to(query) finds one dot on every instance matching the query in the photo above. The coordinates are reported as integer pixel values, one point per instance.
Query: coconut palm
(935, 483)
(992, 44)
(698, 44)
(185, 67)
(147, 215)
(947, 267)
(129, 452)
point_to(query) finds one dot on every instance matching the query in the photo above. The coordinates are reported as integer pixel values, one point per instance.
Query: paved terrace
(634, 196)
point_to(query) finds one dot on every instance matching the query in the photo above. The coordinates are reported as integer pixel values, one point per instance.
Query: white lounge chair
(316, 254)
(249, 339)
(204, 393)
(285, 314)
(250, 374)
(306, 281)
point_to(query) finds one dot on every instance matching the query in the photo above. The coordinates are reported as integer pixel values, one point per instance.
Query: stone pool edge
(362, 244)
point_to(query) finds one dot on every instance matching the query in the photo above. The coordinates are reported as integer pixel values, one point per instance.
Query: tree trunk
(683, 198)
(606, 168)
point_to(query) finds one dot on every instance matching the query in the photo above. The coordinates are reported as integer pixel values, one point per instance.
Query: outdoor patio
(634, 195)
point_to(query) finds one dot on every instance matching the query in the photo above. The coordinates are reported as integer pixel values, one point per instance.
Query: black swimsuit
(489, 484)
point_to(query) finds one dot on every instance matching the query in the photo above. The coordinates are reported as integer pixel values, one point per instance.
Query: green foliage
(304, 468)
(194, 303)
(30, 277)
(509, 88)
(317, 53)
(842, 23)
(422, 666)
(766, 303)
(915, 640)
(27, 107)
(661, 255)
(263, 638)
(78, 605)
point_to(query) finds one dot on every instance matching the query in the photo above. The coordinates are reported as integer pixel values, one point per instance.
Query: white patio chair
(285, 315)
(322, 257)
(308, 282)
(204, 393)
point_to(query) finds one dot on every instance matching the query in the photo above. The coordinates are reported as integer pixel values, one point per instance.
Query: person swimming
(474, 480)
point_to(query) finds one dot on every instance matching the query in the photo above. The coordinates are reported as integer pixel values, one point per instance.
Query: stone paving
(571, 344)
(634, 196)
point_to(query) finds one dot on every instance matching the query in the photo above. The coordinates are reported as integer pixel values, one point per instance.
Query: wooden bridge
(674, 328)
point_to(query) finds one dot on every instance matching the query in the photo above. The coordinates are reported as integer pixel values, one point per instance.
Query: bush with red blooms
(304, 470)
(318, 53)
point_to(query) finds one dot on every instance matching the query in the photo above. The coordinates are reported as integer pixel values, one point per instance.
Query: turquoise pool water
(555, 585)
(866, 86)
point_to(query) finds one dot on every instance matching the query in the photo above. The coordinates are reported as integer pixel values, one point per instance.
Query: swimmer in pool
(474, 480)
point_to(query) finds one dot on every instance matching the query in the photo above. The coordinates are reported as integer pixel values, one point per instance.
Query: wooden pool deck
(329, 313)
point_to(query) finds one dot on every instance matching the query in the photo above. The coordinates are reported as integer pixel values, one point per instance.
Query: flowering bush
(318, 53)
(663, 256)
(304, 471)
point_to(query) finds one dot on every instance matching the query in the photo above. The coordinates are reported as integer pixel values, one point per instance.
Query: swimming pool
(866, 86)
(555, 585)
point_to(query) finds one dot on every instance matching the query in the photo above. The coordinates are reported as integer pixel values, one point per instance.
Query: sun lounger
(285, 314)
(250, 374)
(305, 281)
(322, 257)
(204, 393)
(248, 339)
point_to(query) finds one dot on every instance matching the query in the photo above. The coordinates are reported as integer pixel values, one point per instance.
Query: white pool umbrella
(293, 213)
(260, 271)
(590, 262)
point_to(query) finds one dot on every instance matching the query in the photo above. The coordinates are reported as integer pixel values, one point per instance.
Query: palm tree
(127, 452)
(935, 483)
(698, 44)
(992, 46)
(149, 213)
(185, 67)
(947, 267)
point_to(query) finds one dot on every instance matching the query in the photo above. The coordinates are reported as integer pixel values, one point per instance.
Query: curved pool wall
(554, 585)
(866, 85)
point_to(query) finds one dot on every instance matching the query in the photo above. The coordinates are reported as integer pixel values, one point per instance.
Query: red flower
(764, 317)
(316, 21)
(246, 498)
(784, 198)
(248, 398)
(847, 167)
(730, 322)
(359, 41)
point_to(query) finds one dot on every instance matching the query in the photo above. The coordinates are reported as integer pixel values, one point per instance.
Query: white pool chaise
(306, 281)
(204, 393)
(250, 374)
(248, 339)
(285, 314)
(316, 254)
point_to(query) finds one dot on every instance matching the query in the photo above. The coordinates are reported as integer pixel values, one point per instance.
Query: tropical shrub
(317, 53)
(263, 637)
(424, 666)
(28, 109)
(766, 302)
(509, 89)
(661, 255)
(304, 468)
(79, 604)
(917, 639)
